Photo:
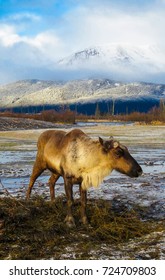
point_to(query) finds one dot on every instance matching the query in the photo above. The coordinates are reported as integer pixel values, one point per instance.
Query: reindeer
(81, 160)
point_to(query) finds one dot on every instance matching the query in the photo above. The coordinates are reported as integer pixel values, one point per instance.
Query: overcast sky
(34, 34)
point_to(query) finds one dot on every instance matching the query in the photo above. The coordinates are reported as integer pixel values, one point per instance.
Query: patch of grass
(35, 229)
(116, 226)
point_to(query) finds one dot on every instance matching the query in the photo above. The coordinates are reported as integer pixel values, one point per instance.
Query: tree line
(66, 115)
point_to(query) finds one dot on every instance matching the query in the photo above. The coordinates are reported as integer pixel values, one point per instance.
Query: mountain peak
(119, 60)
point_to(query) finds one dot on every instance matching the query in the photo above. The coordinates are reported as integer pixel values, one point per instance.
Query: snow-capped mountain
(121, 61)
(36, 92)
(117, 62)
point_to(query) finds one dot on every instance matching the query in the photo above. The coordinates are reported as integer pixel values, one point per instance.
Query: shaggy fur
(77, 156)
(81, 160)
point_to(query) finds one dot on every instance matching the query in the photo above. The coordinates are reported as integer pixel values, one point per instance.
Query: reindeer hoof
(84, 221)
(70, 225)
(69, 220)
(52, 200)
(27, 197)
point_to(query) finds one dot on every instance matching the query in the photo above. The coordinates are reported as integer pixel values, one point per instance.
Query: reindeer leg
(69, 194)
(52, 180)
(38, 168)
(83, 196)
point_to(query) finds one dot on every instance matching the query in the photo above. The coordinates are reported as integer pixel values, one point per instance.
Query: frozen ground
(146, 144)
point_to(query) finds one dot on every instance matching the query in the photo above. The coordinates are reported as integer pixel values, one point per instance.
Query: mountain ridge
(37, 92)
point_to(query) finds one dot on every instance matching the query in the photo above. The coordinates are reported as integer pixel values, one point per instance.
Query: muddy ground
(146, 194)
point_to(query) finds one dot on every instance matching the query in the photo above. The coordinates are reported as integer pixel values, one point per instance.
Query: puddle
(14, 157)
(84, 124)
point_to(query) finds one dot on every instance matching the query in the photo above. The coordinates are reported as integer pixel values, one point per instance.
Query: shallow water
(84, 124)
(15, 157)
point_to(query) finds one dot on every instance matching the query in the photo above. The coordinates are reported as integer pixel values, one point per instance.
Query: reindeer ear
(107, 145)
(101, 141)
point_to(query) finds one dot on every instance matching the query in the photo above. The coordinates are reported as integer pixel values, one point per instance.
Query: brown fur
(79, 159)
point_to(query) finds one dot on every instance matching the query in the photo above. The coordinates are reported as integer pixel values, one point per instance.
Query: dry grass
(36, 229)
(63, 116)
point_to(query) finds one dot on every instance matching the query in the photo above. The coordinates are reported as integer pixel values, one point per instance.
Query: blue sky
(34, 34)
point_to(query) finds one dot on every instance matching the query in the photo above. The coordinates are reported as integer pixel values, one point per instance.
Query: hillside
(36, 92)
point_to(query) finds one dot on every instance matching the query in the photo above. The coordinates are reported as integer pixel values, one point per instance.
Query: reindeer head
(120, 158)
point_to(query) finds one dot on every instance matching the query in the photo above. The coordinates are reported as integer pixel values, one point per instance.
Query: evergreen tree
(97, 111)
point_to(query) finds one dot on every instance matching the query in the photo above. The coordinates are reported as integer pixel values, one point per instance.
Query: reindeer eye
(119, 152)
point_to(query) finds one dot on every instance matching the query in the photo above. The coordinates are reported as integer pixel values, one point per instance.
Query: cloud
(45, 42)
(21, 17)
(104, 24)
(8, 36)
(32, 39)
